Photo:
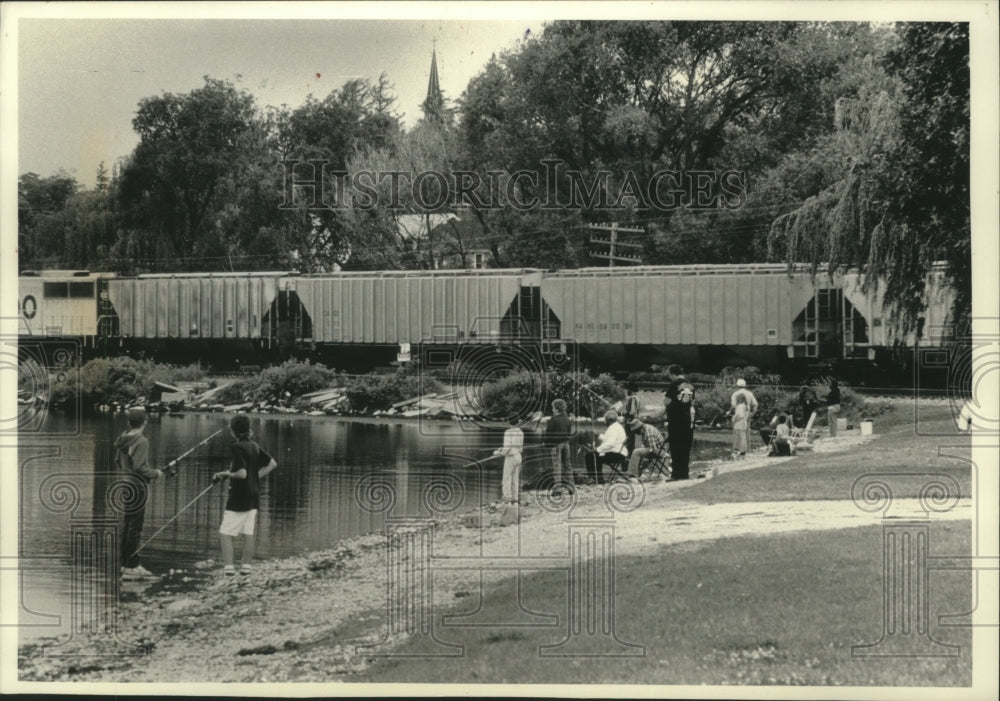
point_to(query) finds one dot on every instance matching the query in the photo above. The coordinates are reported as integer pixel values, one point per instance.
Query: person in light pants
(513, 444)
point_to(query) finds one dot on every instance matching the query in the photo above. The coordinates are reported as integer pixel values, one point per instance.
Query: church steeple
(434, 104)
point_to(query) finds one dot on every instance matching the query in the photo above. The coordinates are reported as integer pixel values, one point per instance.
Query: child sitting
(780, 443)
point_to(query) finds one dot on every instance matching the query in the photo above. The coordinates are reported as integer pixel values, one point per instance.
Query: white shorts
(236, 523)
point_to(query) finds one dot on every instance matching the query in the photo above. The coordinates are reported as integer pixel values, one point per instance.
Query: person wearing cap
(132, 457)
(610, 449)
(741, 424)
(652, 444)
(751, 402)
(249, 464)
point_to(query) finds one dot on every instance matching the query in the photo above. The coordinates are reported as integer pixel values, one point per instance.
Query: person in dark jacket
(557, 435)
(807, 403)
(250, 463)
(833, 407)
(680, 422)
(132, 458)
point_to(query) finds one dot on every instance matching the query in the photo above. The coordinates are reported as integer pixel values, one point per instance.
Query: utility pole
(614, 244)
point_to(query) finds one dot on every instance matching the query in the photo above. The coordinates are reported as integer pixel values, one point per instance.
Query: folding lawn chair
(658, 463)
(618, 470)
(803, 435)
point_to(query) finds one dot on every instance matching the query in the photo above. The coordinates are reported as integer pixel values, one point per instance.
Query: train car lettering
(29, 307)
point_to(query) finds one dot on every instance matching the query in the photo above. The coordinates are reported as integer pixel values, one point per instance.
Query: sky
(80, 80)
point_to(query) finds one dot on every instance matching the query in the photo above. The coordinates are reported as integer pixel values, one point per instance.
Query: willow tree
(902, 202)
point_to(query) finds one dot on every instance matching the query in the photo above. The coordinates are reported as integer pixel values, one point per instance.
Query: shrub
(65, 392)
(294, 377)
(519, 394)
(236, 392)
(853, 406)
(184, 373)
(754, 376)
(109, 380)
(122, 379)
(380, 392)
(771, 399)
(710, 404)
(524, 392)
(714, 402)
(607, 387)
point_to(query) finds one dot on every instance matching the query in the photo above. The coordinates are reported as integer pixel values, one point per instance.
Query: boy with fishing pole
(132, 457)
(250, 463)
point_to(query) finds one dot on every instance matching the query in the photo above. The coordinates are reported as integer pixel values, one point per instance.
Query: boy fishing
(513, 444)
(250, 463)
(132, 457)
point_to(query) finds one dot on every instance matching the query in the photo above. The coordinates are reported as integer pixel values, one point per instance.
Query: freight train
(701, 316)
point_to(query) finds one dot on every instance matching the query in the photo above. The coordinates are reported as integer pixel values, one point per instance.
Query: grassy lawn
(830, 475)
(783, 609)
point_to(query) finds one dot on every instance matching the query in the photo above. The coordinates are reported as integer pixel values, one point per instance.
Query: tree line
(852, 140)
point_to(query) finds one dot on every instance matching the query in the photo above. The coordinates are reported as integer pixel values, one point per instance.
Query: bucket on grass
(867, 427)
(841, 424)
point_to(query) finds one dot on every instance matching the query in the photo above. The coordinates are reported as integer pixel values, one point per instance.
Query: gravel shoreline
(303, 618)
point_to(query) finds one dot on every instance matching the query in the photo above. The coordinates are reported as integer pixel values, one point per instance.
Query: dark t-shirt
(244, 494)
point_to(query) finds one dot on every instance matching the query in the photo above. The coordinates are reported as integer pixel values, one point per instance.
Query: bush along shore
(302, 387)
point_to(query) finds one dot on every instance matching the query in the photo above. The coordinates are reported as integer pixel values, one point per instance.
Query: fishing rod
(172, 468)
(173, 463)
(203, 493)
(479, 462)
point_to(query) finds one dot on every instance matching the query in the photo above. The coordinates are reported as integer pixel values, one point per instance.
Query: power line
(614, 244)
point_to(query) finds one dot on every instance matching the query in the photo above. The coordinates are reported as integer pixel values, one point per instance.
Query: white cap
(741, 382)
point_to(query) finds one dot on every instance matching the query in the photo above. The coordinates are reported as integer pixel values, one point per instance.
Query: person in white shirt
(513, 444)
(751, 401)
(611, 447)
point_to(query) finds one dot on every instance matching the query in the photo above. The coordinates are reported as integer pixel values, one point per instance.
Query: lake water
(336, 478)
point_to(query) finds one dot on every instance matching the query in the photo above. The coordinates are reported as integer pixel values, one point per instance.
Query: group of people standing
(625, 443)
(628, 440)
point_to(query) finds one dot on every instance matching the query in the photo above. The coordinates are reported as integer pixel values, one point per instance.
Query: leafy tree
(191, 148)
(40, 222)
(357, 117)
(641, 97)
(900, 197)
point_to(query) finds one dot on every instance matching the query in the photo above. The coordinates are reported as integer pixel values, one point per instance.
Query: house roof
(415, 226)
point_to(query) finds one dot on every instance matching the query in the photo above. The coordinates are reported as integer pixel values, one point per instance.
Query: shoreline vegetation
(687, 563)
(300, 387)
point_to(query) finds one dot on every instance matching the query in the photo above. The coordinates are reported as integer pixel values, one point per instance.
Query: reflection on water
(335, 479)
